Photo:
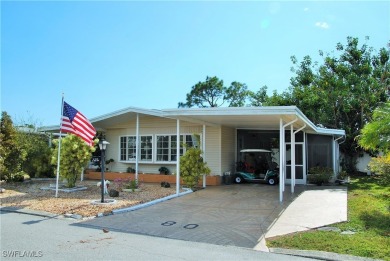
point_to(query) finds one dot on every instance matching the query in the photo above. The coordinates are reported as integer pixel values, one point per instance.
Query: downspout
(336, 154)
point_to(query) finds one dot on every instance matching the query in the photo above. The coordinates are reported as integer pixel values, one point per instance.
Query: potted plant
(130, 170)
(164, 170)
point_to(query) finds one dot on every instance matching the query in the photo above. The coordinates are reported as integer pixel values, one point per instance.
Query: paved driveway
(238, 215)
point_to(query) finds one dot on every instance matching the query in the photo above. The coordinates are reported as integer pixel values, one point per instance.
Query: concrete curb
(320, 255)
(150, 203)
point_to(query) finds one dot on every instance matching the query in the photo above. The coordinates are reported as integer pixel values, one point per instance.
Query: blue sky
(106, 56)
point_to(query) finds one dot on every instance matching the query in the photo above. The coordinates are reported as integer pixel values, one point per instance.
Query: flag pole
(59, 147)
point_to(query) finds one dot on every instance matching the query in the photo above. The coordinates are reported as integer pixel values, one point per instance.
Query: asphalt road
(25, 236)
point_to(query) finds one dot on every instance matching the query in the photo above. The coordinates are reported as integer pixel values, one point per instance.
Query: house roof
(267, 117)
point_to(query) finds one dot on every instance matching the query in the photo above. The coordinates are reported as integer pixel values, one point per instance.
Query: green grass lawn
(368, 216)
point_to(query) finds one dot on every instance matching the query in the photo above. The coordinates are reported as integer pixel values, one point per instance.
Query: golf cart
(256, 165)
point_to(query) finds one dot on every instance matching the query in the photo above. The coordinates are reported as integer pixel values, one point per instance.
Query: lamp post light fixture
(102, 145)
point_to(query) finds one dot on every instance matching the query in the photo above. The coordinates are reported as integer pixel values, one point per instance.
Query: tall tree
(209, 93)
(212, 93)
(237, 94)
(261, 98)
(352, 84)
(342, 92)
(11, 155)
(376, 134)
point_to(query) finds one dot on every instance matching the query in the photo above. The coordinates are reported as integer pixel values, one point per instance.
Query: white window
(128, 148)
(166, 146)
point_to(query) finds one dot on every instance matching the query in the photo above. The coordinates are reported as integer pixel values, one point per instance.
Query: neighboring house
(223, 132)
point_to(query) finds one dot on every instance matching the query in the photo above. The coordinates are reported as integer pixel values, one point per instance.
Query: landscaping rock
(334, 229)
(348, 232)
(113, 193)
(165, 184)
(30, 196)
(76, 216)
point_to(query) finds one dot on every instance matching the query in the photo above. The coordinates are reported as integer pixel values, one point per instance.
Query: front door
(300, 178)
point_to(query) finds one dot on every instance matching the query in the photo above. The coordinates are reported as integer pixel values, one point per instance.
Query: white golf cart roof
(255, 150)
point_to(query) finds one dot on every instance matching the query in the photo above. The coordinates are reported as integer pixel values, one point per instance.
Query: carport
(288, 120)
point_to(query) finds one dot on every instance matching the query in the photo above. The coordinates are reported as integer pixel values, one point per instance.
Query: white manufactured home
(296, 142)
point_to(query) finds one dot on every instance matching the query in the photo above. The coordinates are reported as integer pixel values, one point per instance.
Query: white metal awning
(265, 118)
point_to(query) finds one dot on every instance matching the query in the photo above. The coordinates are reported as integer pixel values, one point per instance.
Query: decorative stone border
(67, 190)
(106, 202)
(131, 190)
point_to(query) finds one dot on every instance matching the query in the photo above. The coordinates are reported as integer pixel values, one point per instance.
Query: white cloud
(322, 25)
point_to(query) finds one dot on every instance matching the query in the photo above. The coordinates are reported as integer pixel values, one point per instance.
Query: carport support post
(204, 152)
(177, 157)
(137, 147)
(292, 158)
(281, 156)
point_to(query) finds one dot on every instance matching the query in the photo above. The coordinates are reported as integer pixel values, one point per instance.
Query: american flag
(75, 122)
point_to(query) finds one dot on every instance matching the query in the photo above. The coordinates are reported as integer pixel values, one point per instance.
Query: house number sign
(171, 223)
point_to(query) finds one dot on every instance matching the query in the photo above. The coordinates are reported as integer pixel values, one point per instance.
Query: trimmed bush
(192, 166)
(319, 175)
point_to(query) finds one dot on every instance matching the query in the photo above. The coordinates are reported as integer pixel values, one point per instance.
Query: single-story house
(223, 133)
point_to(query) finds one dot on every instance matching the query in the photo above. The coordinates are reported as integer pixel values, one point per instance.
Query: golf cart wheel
(238, 179)
(271, 181)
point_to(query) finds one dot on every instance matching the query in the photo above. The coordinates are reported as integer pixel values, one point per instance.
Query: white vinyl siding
(155, 127)
(228, 141)
(213, 150)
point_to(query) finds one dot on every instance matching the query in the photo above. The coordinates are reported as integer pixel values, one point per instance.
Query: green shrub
(18, 177)
(342, 175)
(12, 155)
(23, 150)
(381, 167)
(319, 175)
(75, 154)
(192, 166)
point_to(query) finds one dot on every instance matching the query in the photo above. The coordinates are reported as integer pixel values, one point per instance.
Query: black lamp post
(102, 145)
